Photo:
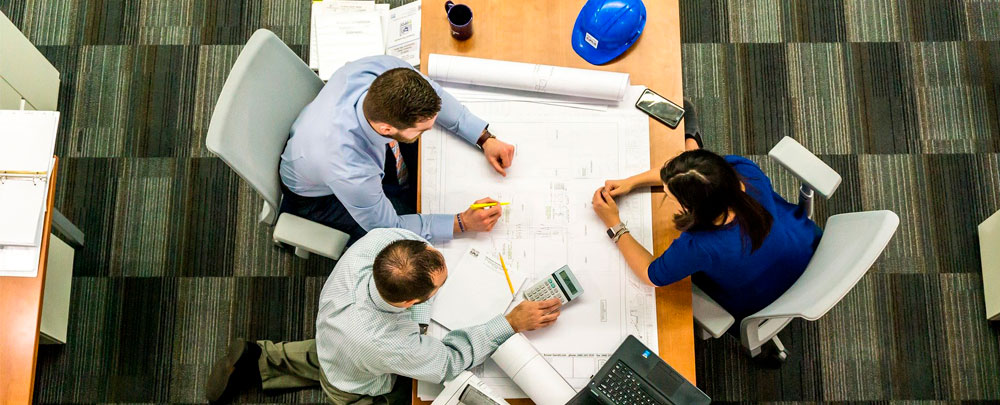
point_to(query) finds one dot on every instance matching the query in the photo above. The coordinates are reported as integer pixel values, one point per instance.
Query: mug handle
(448, 5)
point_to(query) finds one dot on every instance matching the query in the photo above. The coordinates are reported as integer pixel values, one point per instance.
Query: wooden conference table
(539, 32)
(20, 319)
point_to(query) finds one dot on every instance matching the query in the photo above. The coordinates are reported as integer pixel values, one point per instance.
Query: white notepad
(475, 292)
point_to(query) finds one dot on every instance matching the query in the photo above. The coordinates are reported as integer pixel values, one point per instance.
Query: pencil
(506, 274)
(484, 205)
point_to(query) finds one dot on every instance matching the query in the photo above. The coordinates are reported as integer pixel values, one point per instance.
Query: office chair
(265, 91)
(849, 246)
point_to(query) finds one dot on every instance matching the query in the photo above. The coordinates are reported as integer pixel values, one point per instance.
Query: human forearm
(637, 257)
(647, 178)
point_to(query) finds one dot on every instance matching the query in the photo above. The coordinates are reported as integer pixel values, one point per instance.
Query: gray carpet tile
(902, 97)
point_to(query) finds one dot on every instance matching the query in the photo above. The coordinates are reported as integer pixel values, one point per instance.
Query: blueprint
(562, 155)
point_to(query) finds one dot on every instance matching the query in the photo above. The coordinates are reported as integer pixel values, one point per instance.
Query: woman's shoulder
(743, 165)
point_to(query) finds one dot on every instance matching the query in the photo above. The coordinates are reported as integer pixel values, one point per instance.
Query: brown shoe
(236, 370)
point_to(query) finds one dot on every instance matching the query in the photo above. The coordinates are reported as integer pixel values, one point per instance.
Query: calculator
(561, 284)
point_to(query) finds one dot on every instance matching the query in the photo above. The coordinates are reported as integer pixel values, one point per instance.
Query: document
(563, 154)
(403, 33)
(343, 31)
(586, 83)
(346, 37)
(476, 290)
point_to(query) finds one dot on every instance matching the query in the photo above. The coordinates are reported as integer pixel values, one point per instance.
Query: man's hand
(499, 154)
(618, 187)
(531, 315)
(481, 219)
(606, 208)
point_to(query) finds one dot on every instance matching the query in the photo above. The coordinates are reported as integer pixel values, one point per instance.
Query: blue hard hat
(606, 28)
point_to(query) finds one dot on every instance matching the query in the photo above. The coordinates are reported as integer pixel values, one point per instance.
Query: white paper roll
(527, 76)
(530, 371)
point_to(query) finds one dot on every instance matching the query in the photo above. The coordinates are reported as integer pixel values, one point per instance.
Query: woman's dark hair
(707, 187)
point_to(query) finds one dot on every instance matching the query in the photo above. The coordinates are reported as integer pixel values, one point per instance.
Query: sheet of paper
(22, 261)
(345, 37)
(595, 84)
(403, 33)
(336, 7)
(562, 155)
(27, 140)
(476, 290)
(22, 202)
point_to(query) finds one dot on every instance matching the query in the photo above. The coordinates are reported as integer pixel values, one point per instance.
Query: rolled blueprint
(530, 371)
(528, 76)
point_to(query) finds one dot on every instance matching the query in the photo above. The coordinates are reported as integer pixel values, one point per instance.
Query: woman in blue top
(741, 242)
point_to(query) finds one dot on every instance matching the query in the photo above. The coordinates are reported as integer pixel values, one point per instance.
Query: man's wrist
(484, 137)
(512, 327)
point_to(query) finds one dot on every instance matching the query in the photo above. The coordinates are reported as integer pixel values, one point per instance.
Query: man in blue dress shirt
(351, 156)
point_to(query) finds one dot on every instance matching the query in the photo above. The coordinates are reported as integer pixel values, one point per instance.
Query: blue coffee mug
(460, 19)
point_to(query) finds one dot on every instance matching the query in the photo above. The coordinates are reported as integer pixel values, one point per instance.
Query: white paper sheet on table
(563, 154)
(337, 7)
(476, 290)
(584, 83)
(345, 37)
(403, 33)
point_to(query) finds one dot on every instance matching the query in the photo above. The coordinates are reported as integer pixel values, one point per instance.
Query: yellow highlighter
(484, 205)
(505, 273)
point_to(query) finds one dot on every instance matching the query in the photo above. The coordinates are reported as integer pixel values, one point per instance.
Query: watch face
(611, 233)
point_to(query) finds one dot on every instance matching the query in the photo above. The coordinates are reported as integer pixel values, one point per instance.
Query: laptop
(636, 375)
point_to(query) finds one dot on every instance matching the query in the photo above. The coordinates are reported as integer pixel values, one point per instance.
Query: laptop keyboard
(622, 386)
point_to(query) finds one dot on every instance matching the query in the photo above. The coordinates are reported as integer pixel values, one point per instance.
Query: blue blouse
(720, 261)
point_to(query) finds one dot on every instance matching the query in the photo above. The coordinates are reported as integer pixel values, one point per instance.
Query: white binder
(27, 143)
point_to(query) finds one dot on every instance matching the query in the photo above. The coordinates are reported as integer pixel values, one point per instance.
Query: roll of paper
(566, 81)
(530, 371)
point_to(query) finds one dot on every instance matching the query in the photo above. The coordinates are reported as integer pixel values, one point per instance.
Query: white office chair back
(267, 88)
(850, 245)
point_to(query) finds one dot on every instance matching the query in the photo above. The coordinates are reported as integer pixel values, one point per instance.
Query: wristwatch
(617, 231)
(484, 137)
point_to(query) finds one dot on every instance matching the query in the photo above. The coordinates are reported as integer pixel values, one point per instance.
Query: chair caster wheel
(782, 356)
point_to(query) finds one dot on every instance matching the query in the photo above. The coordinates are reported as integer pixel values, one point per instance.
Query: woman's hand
(618, 187)
(606, 208)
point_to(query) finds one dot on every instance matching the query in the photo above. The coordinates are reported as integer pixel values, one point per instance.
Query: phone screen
(660, 108)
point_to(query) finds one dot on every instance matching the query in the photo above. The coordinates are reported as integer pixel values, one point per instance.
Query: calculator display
(567, 282)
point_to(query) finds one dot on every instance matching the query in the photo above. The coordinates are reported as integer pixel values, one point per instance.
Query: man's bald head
(405, 270)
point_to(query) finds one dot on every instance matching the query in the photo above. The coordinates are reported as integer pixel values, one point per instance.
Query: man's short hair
(400, 97)
(403, 270)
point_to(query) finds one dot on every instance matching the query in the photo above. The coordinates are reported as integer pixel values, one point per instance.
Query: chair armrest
(310, 236)
(806, 166)
(708, 314)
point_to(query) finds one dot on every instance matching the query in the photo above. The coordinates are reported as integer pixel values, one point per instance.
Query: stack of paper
(344, 31)
(476, 290)
(27, 142)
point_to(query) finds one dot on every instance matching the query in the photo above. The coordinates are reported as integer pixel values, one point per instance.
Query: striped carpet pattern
(902, 97)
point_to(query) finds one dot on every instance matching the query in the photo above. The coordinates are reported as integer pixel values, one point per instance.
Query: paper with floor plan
(586, 83)
(562, 155)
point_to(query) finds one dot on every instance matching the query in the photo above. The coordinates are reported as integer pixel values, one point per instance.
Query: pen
(484, 205)
(509, 284)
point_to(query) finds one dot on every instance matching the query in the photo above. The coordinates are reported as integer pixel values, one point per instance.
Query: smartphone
(663, 110)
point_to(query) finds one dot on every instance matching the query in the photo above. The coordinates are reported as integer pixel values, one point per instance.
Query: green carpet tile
(902, 97)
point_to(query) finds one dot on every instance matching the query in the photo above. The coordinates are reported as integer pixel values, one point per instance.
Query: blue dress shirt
(333, 150)
(720, 261)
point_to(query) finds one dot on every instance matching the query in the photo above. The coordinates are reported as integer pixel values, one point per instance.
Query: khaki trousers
(287, 365)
